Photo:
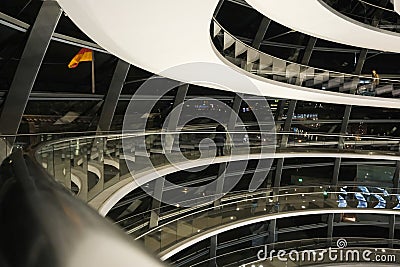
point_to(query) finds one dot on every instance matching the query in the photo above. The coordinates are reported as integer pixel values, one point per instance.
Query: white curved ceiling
(318, 19)
(157, 35)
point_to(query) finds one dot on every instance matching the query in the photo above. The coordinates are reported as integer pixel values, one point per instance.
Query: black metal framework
(28, 67)
(114, 94)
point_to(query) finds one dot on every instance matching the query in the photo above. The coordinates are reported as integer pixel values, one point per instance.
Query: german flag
(84, 54)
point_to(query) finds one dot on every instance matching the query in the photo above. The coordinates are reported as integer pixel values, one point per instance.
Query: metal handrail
(297, 78)
(42, 224)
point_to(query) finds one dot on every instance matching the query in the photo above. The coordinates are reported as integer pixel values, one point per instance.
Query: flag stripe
(84, 54)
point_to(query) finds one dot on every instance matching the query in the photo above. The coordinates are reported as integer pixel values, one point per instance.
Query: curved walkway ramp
(176, 44)
(316, 18)
(109, 197)
(266, 66)
(250, 256)
(181, 228)
(71, 159)
(189, 229)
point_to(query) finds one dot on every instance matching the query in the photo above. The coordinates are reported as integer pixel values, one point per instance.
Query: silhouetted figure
(219, 139)
(375, 79)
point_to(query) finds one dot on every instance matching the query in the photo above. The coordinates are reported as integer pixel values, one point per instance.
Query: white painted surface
(396, 4)
(314, 18)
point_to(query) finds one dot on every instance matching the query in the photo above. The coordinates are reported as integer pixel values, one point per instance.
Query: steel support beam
(343, 129)
(291, 109)
(159, 185)
(174, 116)
(23, 27)
(345, 124)
(156, 204)
(336, 170)
(330, 222)
(231, 124)
(220, 183)
(392, 225)
(213, 251)
(218, 8)
(283, 144)
(308, 51)
(112, 97)
(181, 95)
(237, 102)
(279, 110)
(379, 11)
(360, 62)
(272, 234)
(28, 67)
(178, 101)
(262, 30)
(13, 23)
(130, 209)
(278, 173)
(288, 122)
(375, 22)
(396, 177)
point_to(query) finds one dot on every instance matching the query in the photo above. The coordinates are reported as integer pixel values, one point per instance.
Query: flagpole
(93, 78)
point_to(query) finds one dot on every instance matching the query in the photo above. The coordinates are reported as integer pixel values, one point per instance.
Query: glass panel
(96, 167)
(281, 70)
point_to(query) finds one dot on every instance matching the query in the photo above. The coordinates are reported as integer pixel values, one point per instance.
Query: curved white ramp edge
(227, 227)
(396, 4)
(317, 19)
(104, 202)
(158, 35)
